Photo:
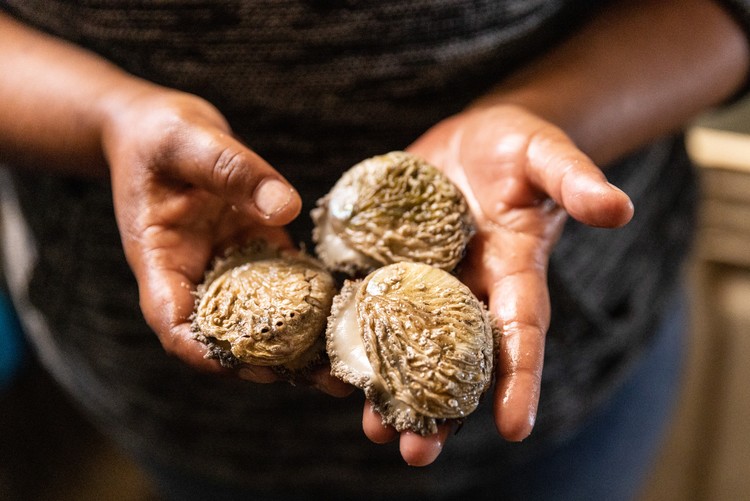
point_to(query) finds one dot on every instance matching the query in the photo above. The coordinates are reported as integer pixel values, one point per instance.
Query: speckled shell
(429, 341)
(388, 209)
(264, 307)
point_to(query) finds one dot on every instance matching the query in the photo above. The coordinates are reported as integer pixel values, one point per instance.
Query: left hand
(185, 189)
(522, 176)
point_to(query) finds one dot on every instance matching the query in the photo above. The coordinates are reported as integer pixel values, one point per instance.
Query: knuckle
(171, 343)
(229, 168)
(167, 132)
(169, 348)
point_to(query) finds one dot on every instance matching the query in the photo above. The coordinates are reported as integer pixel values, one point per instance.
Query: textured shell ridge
(264, 306)
(392, 208)
(414, 336)
(428, 341)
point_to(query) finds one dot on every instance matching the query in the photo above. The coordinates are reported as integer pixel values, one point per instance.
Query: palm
(184, 192)
(517, 224)
(522, 177)
(173, 232)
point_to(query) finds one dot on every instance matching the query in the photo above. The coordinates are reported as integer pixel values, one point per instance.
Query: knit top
(315, 86)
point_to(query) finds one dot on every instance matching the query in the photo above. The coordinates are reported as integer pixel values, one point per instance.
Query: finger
(321, 379)
(520, 302)
(422, 451)
(167, 303)
(372, 425)
(567, 175)
(257, 374)
(219, 163)
(514, 279)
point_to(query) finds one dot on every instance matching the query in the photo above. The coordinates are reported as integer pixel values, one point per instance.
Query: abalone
(416, 340)
(262, 306)
(391, 208)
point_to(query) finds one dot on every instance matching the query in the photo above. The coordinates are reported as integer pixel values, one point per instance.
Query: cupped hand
(185, 189)
(522, 177)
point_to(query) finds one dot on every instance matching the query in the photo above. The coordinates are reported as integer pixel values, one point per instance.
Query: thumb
(217, 162)
(569, 177)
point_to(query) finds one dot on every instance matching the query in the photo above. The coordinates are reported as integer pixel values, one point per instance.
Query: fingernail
(271, 196)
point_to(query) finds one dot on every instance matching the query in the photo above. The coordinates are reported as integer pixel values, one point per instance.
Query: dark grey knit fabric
(315, 86)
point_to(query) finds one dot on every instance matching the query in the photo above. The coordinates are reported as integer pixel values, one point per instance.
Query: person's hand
(184, 190)
(522, 176)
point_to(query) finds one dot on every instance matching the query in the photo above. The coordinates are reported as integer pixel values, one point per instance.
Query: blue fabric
(12, 348)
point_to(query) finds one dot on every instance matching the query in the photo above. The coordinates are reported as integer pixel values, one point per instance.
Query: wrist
(612, 92)
(116, 106)
(559, 99)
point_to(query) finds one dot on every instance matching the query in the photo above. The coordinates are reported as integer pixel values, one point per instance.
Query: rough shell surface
(391, 208)
(429, 341)
(265, 307)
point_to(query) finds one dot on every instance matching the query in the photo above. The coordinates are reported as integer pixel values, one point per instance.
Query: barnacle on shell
(262, 306)
(416, 340)
(391, 208)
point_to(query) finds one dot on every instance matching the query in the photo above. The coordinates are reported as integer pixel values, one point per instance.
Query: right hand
(184, 190)
(522, 176)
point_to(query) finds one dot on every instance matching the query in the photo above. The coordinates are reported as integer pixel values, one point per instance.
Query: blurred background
(48, 451)
(707, 456)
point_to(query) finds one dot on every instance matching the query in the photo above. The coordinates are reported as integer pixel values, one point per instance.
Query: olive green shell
(429, 340)
(392, 208)
(264, 307)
